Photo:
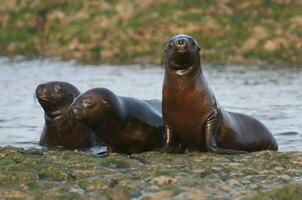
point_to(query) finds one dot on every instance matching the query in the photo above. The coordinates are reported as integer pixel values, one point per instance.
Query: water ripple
(271, 94)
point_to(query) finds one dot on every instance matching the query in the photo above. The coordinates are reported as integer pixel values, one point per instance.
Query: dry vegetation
(133, 31)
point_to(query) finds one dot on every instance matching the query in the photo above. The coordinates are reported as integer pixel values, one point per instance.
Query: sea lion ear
(166, 47)
(198, 47)
(196, 43)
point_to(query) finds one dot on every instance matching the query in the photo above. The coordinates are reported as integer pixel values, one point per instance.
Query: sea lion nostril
(180, 42)
(60, 128)
(75, 111)
(214, 129)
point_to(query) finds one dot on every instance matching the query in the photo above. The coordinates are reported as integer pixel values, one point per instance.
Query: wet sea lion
(192, 117)
(61, 130)
(126, 125)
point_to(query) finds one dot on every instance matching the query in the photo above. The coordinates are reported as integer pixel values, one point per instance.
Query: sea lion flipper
(212, 147)
(106, 153)
(171, 143)
(211, 133)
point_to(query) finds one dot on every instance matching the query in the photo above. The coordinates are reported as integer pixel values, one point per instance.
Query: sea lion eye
(88, 103)
(58, 88)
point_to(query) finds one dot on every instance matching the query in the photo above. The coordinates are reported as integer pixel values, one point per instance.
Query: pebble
(165, 194)
(163, 180)
(191, 194)
(234, 182)
(285, 177)
(225, 188)
(216, 169)
(279, 169)
(77, 190)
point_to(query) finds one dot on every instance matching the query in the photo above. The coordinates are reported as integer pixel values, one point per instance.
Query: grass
(133, 31)
(293, 192)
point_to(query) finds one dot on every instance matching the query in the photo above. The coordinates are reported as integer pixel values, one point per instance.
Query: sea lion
(126, 125)
(61, 130)
(192, 117)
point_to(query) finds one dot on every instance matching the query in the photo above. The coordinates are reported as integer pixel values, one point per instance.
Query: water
(271, 94)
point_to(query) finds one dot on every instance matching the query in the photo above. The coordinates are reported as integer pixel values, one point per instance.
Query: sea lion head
(54, 96)
(92, 106)
(181, 52)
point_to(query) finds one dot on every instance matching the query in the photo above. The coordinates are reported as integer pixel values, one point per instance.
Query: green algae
(35, 174)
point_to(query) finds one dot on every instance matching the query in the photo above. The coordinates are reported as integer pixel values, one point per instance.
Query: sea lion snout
(41, 86)
(60, 128)
(180, 43)
(41, 92)
(181, 52)
(77, 112)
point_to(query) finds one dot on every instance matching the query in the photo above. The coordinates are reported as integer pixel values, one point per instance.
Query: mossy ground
(41, 174)
(134, 31)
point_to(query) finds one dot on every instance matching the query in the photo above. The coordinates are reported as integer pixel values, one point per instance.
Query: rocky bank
(42, 174)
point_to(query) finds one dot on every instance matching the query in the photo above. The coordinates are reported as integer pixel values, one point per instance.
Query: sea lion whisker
(60, 130)
(207, 126)
(126, 125)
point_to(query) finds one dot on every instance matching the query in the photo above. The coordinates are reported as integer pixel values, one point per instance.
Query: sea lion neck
(189, 72)
(54, 115)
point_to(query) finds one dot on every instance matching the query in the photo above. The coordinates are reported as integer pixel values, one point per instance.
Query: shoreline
(37, 173)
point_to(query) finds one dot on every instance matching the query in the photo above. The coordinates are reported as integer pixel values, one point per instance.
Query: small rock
(165, 194)
(284, 177)
(191, 194)
(83, 173)
(246, 182)
(163, 180)
(235, 165)
(279, 169)
(225, 188)
(198, 171)
(234, 182)
(77, 190)
(153, 188)
(216, 169)
(120, 194)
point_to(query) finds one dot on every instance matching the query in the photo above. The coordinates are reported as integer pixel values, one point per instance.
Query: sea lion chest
(186, 107)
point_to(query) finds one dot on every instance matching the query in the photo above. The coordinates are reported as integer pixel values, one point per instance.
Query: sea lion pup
(192, 117)
(126, 125)
(61, 130)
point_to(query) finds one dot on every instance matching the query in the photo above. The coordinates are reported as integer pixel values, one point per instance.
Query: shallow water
(271, 94)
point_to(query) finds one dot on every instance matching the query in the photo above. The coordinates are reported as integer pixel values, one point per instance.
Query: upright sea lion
(61, 130)
(192, 117)
(126, 125)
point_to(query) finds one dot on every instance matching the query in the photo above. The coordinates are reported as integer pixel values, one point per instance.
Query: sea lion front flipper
(211, 132)
(171, 143)
(106, 153)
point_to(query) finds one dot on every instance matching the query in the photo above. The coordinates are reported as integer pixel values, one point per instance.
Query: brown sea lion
(61, 130)
(126, 125)
(192, 117)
